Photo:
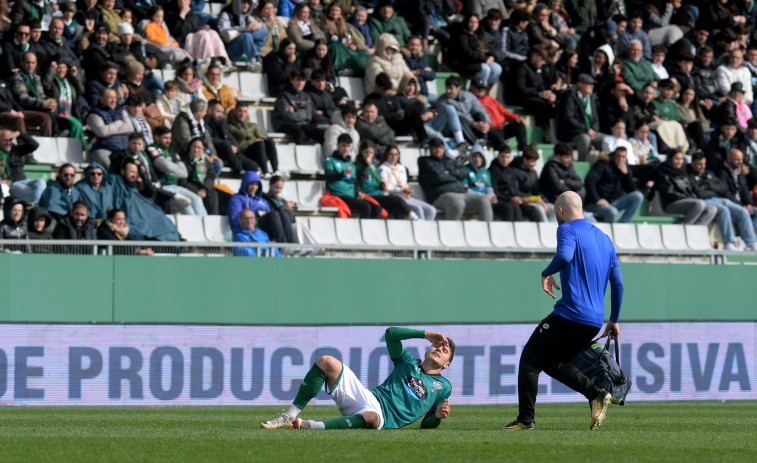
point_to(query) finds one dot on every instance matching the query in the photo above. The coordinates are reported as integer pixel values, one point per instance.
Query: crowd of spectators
(664, 90)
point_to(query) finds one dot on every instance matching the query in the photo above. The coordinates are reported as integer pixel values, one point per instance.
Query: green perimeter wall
(201, 290)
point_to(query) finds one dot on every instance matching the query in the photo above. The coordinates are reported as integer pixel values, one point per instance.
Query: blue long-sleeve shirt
(586, 261)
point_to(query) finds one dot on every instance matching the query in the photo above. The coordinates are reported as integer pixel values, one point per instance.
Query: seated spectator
(16, 118)
(189, 87)
(721, 142)
(666, 107)
(603, 33)
(135, 108)
(115, 228)
(713, 190)
(168, 103)
(97, 50)
(202, 43)
(669, 133)
(385, 21)
(735, 71)
(214, 89)
(394, 177)
(530, 89)
(14, 50)
(691, 115)
(606, 183)
(504, 124)
(341, 180)
(735, 108)
(55, 45)
(278, 202)
(503, 182)
(475, 122)
(658, 25)
(682, 73)
(65, 88)
(540, 31)
(72, 28)
(111, 126)
(750, 151)
(616, 138)
(644, 144)
(404, 115)
(638, 72)
(13, 225)
(515, 45)
(567, 68)
(479, 178)
(371, 126)
(191, 124)
(243, 33)
(224, 142)
(732, 172)
(467, 55)
(614, 106)
(559, 176)
(30, 94)
(442, 182)
(368, 181)
(359, 20)
(635, 31)
(705, 77)
(149, 183)
(294, 112)
(59, 196)
(491, 32)
(12, 158)
(250, 196)
(302, 29)
(677, 193)
(107, 78)
(342, 121)
(173, 171)
(418, 65)
(38, 221)
(265, 11)
(201, 178)
(578, 119)
(158, 34)
(278, 66)
(255, 148)
(77, 225)
(248, 233)
(346, 45)
(95, 190)
(526, 191)
(322, 99)
(319, 58)
(387, 60)
(659, 52)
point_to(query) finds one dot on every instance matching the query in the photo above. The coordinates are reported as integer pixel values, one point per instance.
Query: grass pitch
(680, 431)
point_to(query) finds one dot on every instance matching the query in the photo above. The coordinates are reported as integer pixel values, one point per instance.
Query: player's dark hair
(452, 348)
(529, 152)
(453, 81)
(563, 148)
(344, 138)
(698, 155)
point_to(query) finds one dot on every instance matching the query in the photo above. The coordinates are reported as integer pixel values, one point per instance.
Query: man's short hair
(161, 130)
(67, 165)
(518, 16)
(455, 81)
(667, 84)
(134, 100)
(529, 152)
(618, 150)
(105, 90)
(108, 65)
(636, 15)
(494, 14)
(242, 104)
(344, 138)
(384, 81)
(138, 135)
(171, 85)
(369, 103)
(729, 121)
(297, 74)
(752, 123)
(435, 142)
(563, 149)
(504, 149)
(318, 74)
(697, 155)
(197, 104)
(34, 23)
(213, 65)
(534, 51)
(213, 103)
(348, 109)
(79, 205)
(704, 49)
(452, 349)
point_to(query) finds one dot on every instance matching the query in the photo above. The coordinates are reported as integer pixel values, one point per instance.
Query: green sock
(310, 387)
(346, 422)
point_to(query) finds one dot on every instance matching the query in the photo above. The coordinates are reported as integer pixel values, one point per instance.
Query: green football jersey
(409, 393)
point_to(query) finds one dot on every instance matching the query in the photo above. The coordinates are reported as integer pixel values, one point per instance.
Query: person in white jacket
(735, 71)
(342, 121)
(387, 59)
(394, 178)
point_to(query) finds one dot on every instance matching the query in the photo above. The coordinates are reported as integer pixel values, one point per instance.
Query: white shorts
(352, 398)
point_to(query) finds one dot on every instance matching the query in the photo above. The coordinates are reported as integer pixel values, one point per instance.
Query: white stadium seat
(287, 162)
(309, 195)
(309, 159)
(409, 158)
(323, 230)
(674, 237)
(190, 228)
(426, 233)
(47, 153)
(649, 236)
(527, 234)
(451, 233)
(374, 232)
(70, 150)
(548, 234)
(477, 234)
(348, 231)
(400, 232)
(216, 227)
(625, 236)
(698, 238)
(354, 87)
(502, 234)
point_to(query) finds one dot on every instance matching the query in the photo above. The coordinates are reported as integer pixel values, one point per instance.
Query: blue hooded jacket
(257, 236)
(243, 200)
(99, 201)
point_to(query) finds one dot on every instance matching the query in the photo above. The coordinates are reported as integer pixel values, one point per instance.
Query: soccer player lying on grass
(413, 390)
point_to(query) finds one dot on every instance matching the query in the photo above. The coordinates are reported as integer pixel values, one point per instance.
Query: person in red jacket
(505, 124)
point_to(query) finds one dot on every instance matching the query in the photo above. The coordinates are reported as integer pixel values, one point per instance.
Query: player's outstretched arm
(395, 335)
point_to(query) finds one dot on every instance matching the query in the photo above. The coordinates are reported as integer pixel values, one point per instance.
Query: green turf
(639, 432)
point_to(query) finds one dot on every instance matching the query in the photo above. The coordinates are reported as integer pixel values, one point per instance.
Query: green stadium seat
(582, 168)
(38, 171)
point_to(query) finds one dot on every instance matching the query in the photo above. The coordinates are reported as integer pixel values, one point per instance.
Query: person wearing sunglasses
(59, 196)
(95, 190)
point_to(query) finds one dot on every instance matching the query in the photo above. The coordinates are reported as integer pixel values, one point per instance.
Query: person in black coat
(225, 143)
(278, 66)
(531, 90)
(181, 20)
(115, 228)
(731, 173)
(606, 184)
(678, 194)
(502, 183)
(76, 225)
(466, 52)
(724, 139)
(578, 118)
(559, 176)
(526, 191)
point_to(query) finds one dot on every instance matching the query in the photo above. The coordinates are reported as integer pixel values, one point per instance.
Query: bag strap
(611, 337)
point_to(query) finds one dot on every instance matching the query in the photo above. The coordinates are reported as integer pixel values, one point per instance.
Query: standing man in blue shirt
(586, 261)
